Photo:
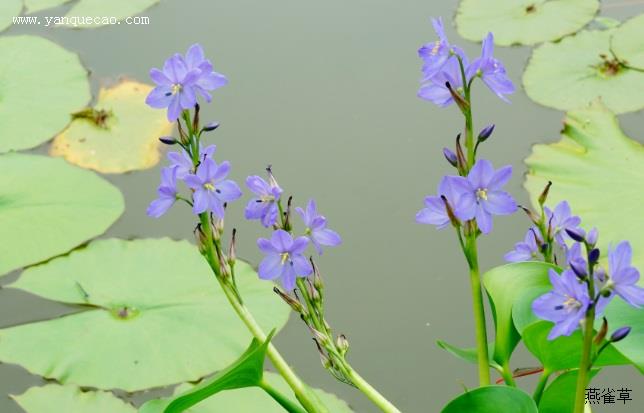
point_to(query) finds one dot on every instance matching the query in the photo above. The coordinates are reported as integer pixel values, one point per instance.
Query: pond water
(326, 93)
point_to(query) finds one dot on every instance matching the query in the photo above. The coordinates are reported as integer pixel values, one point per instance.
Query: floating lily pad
(33, 6)
(254, 399)
(119, 9)
(628, 42)
(70, 399)
(580, 69)
(41, 84)
(121, 133)
(8, 10)
(48, 207)
(599, 171)
(523, 21)
(157, 316)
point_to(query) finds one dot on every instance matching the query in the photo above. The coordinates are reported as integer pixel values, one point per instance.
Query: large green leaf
(505, 284)
(48, 207)
(156, 316)
(628, 42)
(254, 399)
(492, 399)
(33, 6)
(119, 9)
(559, 396)
(523, 21)
(522, 313)
(41, 84)
(9, 9)
(121, 133)
(600, 171)
(70, 399)
(572, 73)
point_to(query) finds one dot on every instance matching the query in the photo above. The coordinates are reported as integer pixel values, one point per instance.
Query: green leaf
(34, 107)
(505, 284)
(155, 315)
(246, 371)
(48, 207)
(33, 6)
(492, 399)
(70, 399)
(522, 313)
(620, 314)
(564, 352)
(119, 134)
(253, 399)
(559, 396)
(468, 354)
(119, 9)
(581, 75)
(523, 21)
(9, 9)
(628, 42)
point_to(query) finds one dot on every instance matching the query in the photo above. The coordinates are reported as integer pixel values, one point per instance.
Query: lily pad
(156, 316)
(599, 171)
(119, 134)
(48, 207)
(8, 10)
(70, 399)
(523, 21)
(119, 9)
(628, 42)
(580, 69)
(33, 6)
(41, 84)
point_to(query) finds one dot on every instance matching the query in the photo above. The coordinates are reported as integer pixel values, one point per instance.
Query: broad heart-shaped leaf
(559, 396)
(253, 399)
(600, 172)
(33, 6)
(564, 352)
(119, 9)
(156, 316)
(48, 207)
(523, 21)
(41, 84)
(468, 354)
(8, 10)
(246, 371)
(492, 399)
(628, 42)
(505, 284)
(70, 399)
(572, 73)
(121, 133)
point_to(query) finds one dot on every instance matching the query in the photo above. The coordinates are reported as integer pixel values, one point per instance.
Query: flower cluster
(447, 72)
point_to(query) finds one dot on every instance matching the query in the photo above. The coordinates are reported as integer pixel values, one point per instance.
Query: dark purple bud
(195, 119)
(210, 127)
(620, 334)
(577, 234)
(168, 140)
(485, 133)
(451, 157)
(601, 334)
(544, 194)
(579, 268)
(592, 236)
(593, 256)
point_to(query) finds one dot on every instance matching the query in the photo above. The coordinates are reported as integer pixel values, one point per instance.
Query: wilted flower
(491, 70)
(527, 250)
(316, 228)
(264, 206)
(211, 189)
(167, 193)
(284, 258)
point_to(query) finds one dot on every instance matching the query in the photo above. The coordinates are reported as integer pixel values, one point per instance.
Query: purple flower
(183, 161)
(480, 195)
(527, 250)
(434, 88)
(208, 79)
(284, 258)
(316, 229)
(574, 254)
(434, 212)
(622, 276)
(264, 206)
(560, 220)
(565, 305)
(491, 70)
(211, 189)
(175, 87)
(167, 193)
(435, 54)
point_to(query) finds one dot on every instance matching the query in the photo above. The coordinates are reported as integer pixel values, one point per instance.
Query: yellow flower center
(481, 193)
(437, 45)
(284, 257)
(176, 88)
(210, 187)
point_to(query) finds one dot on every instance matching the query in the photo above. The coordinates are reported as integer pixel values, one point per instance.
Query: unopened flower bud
(210, 127)
(450, 212)
(458, 98)
(601, 334)
(620, 334)
(201, 238)
(579, 268)
(232, 256)
(485, 133)
(451, 157)
(577, 234)
(182, 135)
(342, 343)
(593, 256)
(317, 279)
(168, 140)
(195, 119)
(592, 237)
(533, 217)
(544, 195)
(319, 338)
(295, 304)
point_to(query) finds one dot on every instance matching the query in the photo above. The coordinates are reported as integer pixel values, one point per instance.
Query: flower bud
(533, 217)
(195, 119)
(600, 274)
(485, 133)
(168, 140)
(462, 103)
(579, 268)
(577, 234)
(544, 195)
(620, 334)
(232, 256)
(317, 279)
(451, 157)
(182, 135)
(210, 127)
(450, 212)
(342, 343)
(461, 162)
(319, 338)
(593, 256)
(601, 334)
(592, 237)
(295, 304)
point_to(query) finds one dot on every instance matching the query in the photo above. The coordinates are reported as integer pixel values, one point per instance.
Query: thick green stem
(479, 312)
(280, 398)
(541, 386)
(506, 373)
(371, 393)
(584, 366)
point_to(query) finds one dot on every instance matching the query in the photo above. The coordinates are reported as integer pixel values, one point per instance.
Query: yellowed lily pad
(119, 134)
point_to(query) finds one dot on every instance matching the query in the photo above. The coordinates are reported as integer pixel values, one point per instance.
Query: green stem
(584, 366)
(371, 393)
(280, 398)
(541, 386)
(506, 373)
